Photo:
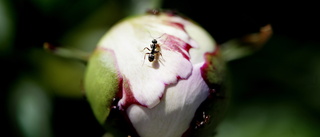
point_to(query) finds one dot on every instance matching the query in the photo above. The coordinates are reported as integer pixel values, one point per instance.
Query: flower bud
(157, 75)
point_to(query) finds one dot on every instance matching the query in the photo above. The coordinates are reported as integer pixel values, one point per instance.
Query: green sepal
(101, 83)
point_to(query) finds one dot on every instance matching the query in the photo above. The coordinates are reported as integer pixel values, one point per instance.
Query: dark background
(275, 91)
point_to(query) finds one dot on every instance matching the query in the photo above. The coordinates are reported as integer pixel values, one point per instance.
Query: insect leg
(146, 48)
(144, 58)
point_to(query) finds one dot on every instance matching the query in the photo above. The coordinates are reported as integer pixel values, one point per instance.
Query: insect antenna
(153, 37)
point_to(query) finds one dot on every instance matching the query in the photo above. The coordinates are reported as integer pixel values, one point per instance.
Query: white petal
(200, 37)
(168, 118)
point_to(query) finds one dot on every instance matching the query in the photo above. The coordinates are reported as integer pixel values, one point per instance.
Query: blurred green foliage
(275, 91)
(6, 28)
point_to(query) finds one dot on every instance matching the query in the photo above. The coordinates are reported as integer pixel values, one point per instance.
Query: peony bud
(157, 75)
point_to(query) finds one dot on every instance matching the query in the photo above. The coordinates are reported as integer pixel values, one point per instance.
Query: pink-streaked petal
(167, 118)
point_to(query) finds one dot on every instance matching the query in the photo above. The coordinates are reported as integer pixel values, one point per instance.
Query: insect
(155, 49)
(205, 120)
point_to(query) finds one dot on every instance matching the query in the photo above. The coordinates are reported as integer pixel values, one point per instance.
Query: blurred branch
(246, 45)
(67, 53)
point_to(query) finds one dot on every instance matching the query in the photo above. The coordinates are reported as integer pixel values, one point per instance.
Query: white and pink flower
(171, 96)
